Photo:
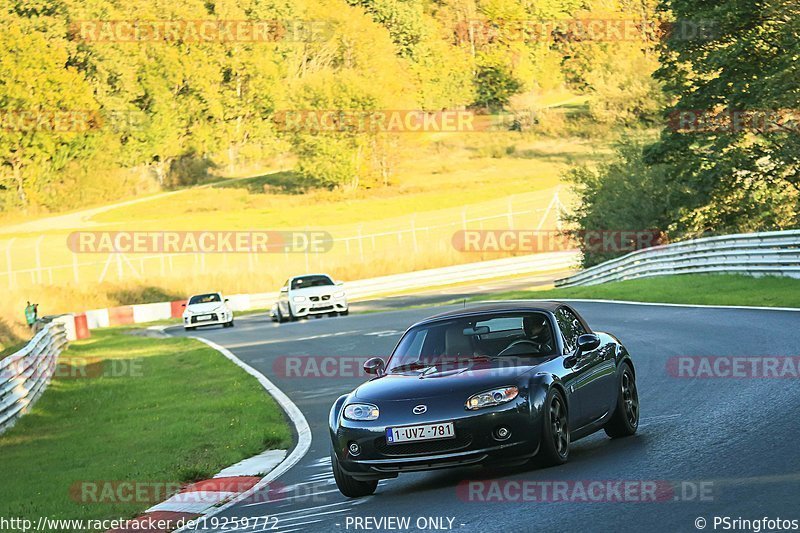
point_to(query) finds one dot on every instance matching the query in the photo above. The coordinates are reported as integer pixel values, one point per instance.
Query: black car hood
(427, 384)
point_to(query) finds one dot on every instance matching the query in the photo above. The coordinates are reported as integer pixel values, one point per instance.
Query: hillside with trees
(160, 113)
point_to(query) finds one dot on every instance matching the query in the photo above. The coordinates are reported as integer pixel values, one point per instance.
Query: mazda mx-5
(503, 384)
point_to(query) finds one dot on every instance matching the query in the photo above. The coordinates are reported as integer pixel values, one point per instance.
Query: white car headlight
(338, 294)
(361, 412)
(299, 299)
(491, 397)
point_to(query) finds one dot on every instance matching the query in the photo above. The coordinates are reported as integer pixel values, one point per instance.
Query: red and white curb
(234, 483)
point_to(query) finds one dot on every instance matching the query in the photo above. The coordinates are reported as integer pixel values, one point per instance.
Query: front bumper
(217, 319)
(475, 442)
(319, 307)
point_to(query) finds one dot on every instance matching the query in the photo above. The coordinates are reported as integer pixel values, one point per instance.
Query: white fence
(769, 253)
(25, 374)
(47, 260)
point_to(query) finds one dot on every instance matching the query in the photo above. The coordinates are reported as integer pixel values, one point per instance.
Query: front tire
(625, 420)
(349, 486)
(554, 449)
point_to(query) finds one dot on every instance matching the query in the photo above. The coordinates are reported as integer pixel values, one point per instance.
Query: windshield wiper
(416, 365)
(466, 360)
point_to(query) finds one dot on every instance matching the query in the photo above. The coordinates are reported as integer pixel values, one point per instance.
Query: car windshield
(482, 337)
(205, 298)
(311, 281)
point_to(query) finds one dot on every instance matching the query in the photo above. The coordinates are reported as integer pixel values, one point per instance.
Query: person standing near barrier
(30, 314)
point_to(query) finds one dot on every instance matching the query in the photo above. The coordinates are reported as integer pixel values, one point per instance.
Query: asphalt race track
(726, 446)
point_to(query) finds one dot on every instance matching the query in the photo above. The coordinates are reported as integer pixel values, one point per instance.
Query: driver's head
(534, 325)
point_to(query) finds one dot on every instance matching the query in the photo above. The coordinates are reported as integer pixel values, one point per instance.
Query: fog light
(502, 433)
(354, 448)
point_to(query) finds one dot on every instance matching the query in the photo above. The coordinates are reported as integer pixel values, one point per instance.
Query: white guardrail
(775, 253)
(356, 289)
(25, 374)
(434, 277)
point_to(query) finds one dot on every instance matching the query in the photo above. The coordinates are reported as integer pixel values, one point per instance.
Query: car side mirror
(374, 366)
(340, 283)
(284, 289)
(226, 299)
(588, 342)
(183, 305)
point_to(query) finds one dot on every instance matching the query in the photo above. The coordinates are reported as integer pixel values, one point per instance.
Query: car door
(592, 369)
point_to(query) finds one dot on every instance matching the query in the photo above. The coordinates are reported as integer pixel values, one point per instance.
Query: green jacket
(30, 314)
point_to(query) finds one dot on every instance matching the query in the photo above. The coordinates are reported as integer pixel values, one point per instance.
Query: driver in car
(537, 340)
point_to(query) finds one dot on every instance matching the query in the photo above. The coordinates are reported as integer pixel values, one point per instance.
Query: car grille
(462, 440)
(213, 318)
(317, 298)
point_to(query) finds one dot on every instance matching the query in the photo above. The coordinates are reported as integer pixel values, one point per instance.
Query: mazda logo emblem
(418, 410)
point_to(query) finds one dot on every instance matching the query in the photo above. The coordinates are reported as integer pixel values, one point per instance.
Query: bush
(625, 195)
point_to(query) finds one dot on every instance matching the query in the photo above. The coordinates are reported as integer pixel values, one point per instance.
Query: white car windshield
(311, 281)
(205, 298)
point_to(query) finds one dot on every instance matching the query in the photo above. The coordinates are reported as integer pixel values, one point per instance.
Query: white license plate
(203, 317)
(421, 432)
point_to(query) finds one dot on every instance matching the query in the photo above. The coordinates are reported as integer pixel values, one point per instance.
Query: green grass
(698, 289)
(5, 352)
(179, 413)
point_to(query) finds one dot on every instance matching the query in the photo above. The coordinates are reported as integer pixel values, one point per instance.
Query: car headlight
(339, 294)
(299, 299)
(361, 411)
(492, 397)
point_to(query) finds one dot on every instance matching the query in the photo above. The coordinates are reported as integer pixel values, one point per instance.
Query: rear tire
(554, 448)
(349, 486)
(625, 420)
(190, 328)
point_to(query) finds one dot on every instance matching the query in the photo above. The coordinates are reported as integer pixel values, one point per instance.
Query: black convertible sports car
(500, 383)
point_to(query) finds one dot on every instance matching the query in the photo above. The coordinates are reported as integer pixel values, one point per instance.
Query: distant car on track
(309, 295)
(206, 310)
(500, 383)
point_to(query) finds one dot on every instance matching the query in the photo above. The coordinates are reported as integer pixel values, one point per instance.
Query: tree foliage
(164, 112)
(728, 157)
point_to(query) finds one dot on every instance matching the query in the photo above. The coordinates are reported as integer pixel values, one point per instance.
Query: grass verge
(135, 409)
(697, 289)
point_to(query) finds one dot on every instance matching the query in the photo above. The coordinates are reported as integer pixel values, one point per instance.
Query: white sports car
(309, 295)
(206, 310)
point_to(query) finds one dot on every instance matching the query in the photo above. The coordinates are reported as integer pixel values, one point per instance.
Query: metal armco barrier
(775, 253)
(25, 375)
